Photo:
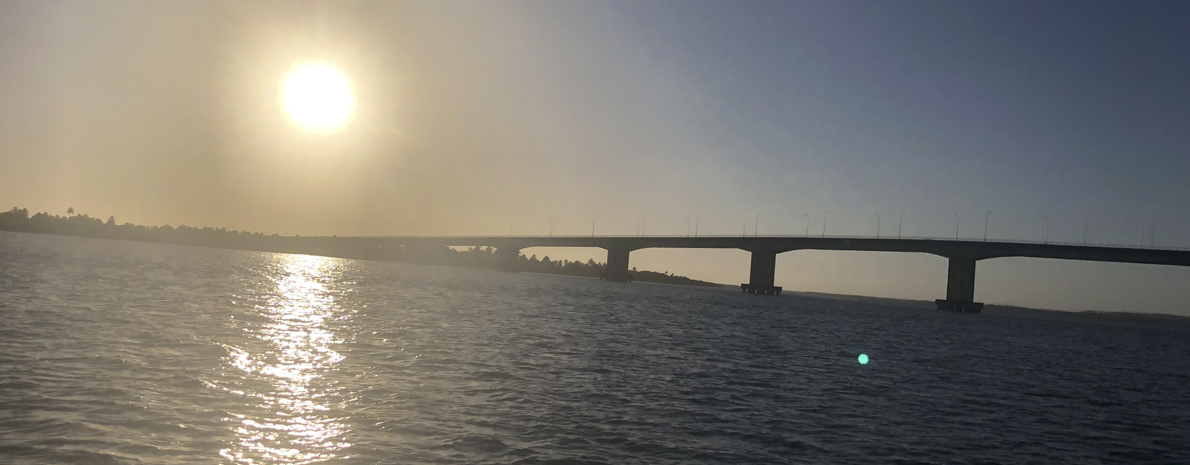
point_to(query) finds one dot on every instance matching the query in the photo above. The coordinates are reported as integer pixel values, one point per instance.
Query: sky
(515, 117)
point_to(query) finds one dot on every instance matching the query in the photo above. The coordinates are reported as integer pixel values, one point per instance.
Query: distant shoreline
(82, 225)
(1160, 319)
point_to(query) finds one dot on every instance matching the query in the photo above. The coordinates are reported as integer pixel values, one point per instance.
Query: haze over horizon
(471, 116)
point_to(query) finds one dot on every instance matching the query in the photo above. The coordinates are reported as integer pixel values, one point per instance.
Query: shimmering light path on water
(117, 352)
(288, 357)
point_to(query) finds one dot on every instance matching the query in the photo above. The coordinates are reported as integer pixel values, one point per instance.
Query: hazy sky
(475, 115)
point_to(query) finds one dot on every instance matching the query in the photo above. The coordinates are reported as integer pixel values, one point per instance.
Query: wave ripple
(114, 352)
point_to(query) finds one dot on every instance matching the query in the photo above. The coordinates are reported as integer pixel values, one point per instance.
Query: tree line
(83, 225)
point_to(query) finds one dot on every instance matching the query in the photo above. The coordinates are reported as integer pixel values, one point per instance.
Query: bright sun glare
(317, 96)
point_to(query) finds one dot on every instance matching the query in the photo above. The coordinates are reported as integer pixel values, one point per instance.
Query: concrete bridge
(960, 280)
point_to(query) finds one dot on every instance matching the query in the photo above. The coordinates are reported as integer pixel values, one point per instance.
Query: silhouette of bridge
(962, 254)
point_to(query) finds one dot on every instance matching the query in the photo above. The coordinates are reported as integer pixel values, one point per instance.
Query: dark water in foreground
(114, 352)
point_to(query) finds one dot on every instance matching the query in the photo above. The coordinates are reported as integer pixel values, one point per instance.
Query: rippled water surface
(116, 352)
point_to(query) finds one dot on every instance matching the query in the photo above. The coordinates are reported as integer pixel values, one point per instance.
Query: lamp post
(900, 219)
(877, 225)
(593, 218)
(744, 221)
(1047, 231)
(1084, 229)
(638, 226)
(696, 218)
(824, 217)
(956, 227)
(756, 229)
(1152, 233)
(985, 226)
(551, 226)
(807, 223)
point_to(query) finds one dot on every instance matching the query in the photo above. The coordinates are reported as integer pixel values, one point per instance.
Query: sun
(317, 96)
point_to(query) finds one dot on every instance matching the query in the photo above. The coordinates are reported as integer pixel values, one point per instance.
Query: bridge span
(962, 254)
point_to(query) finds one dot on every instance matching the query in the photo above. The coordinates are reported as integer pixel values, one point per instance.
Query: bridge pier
(960, 287)
(506, 258)
(762, 274)
(616, 268)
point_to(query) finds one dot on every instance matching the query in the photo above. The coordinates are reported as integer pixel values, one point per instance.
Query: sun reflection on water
(283, 367)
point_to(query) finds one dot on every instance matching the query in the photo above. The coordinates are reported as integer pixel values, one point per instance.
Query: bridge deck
(962, 254)
(977, 250)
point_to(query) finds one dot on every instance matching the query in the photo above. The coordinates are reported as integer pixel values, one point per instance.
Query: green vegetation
(82, 225)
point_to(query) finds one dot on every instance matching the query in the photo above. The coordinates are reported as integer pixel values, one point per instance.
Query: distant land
(83, 225)
(1154, 319)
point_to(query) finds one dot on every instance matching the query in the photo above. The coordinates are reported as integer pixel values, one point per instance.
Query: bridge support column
(616, 268)
(507, 258)
(960, 287)
(764, 269)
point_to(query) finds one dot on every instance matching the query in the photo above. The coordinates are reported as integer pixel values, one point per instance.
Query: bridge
(960, 278)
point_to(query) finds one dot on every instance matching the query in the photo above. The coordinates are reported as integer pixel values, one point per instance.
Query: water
(116, 352)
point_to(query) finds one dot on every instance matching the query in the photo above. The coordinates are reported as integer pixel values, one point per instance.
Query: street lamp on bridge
(900, 219)
(1085, 228)
(1152, 233)
(824, 217)
(985, 226)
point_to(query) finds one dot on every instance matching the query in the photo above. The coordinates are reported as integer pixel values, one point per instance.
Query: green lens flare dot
(863, 359)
